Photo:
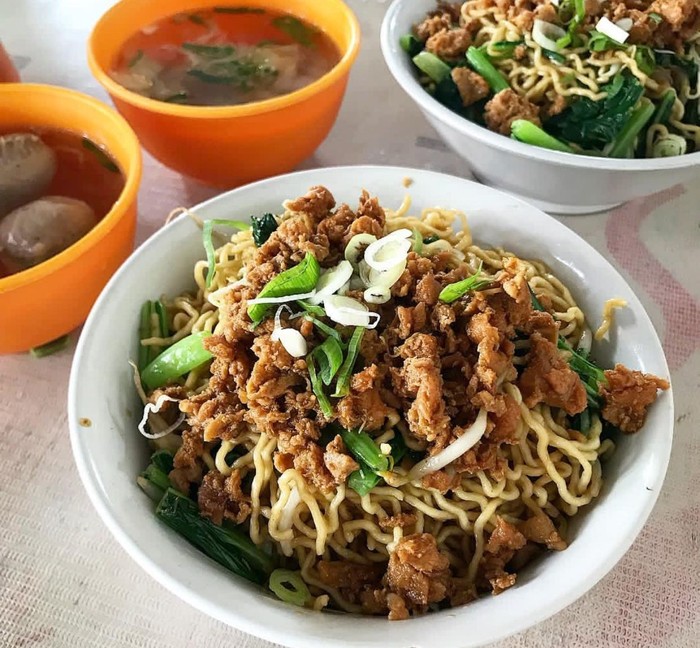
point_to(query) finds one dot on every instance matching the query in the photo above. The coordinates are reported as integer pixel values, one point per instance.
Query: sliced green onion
(228, 546)
(317, 386)
(483, 66)
(342, 385)
(501, 49)
(410, 44)
(144, 333)
(328, 330)
(101, 155)
(289, 587)
(312, 309)
(300, 279)
(417, 245)
(164, 329)
(362, 481)
(50, 347)
(655, 17)
(431, 239)
(330, 358)
(432, 66)
(454, 291)
(527, 132)
(363, 447)
(177, 360)
(554, 56)
(207, 230)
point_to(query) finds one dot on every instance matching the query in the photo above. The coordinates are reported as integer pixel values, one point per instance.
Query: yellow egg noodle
(551, 469)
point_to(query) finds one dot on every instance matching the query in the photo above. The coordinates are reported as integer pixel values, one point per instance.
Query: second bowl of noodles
(594, 155)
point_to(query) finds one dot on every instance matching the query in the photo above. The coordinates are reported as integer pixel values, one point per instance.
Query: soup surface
(224, 56)
(55, 185)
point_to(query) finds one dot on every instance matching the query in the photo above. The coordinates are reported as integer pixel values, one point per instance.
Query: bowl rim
(117, 91)
(395, 59)
(126, 198)
(259, 626)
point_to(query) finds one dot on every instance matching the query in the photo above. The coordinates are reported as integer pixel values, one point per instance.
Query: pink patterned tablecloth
(65, 582)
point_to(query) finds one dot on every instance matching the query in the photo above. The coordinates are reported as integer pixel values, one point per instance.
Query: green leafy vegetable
(263, 226)
(50, 347)
(342, 385)
(162, 460)
(317, 387)
(362, 481)
(453, 292)
(655, 17)
(664, 107)
(101, 155)
(527, 132)
(153, 322)
(483, 66)
(207, 230)
(364, 448)
(431, 239)
(229, 547)
(624, 143)
(645, 59)
(592, 124)
(197, 19)
(432, 66)
(289, 587)
(239, 10)
(177, 360)
(330, 358)
(177, 98)
(296, 30)
(210, 51)
(410, 44)
(301, 278)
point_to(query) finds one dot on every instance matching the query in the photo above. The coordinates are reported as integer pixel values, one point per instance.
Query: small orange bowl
(49, 300)
(226, 146)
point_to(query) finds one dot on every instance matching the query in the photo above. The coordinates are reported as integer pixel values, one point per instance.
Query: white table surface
(65, 582)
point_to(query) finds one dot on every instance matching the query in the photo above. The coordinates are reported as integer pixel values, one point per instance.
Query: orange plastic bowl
(226, 146)
(49, 300)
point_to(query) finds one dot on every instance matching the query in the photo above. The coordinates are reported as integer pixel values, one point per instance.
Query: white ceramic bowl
(556, 182)
(110, 453)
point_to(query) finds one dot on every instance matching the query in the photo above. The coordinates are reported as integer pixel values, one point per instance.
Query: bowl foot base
(553, 208)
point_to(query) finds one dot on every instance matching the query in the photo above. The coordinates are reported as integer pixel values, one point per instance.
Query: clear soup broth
(224, 56)
(55, 185)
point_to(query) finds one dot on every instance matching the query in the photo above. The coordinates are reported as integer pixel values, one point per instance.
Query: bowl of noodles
(368, 414)
(576, 105)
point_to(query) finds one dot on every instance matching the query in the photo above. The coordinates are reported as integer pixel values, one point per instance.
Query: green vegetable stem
(177, 360)
(527, 132)
(483, 66)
